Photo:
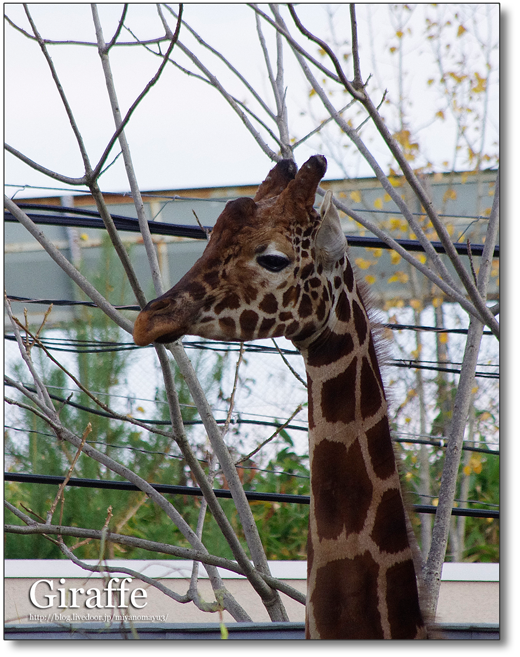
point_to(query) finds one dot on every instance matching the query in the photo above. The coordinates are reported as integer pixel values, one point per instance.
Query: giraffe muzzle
(157, 323)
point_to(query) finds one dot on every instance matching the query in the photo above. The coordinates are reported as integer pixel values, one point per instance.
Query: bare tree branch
(34, 527)
(70, 115)
(433, 567)
(121, 123)
(68, 268)
(416, 186)
(47, 172)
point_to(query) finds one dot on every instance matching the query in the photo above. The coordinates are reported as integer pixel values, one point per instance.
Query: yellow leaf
(377, 253)
(450, 195)
(394, 257)
(355, 196)
(398, 277)
(370, 279)
(443, 338)
(378, 203)
(480, 86)
(362, 263)
(387, 197)
(461, 30)
(437, 301)
(84, 237)
(416, 304)
(140, 409)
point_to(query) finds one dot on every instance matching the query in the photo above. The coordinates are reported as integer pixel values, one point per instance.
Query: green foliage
(152, 456)
(283, 526)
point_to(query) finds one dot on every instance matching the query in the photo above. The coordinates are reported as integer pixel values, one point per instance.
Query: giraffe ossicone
(273, 267)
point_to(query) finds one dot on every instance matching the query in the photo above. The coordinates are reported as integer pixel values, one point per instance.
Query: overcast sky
(184, 134)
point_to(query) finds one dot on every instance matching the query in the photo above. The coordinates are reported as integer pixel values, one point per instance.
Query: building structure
(463, 200)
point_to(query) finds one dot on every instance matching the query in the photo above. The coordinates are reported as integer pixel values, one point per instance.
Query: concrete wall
(469, 593)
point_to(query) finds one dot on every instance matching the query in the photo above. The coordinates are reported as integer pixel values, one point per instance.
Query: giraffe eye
(273, 262)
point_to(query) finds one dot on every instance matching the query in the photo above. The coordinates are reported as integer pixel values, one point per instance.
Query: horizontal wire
(434, 497)
(217, 199)
(92, 219)
(251, 348)
(223, 493)
(239, 421)
(167, 454)
(91, 304)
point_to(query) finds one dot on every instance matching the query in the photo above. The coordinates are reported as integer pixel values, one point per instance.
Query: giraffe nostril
(158, 305)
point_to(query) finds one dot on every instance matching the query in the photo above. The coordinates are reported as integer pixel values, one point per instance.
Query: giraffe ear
(330, 240)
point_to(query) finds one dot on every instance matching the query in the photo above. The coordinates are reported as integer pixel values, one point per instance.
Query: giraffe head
(266, 271)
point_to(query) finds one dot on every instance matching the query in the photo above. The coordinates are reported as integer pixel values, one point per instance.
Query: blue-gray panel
(209, 632)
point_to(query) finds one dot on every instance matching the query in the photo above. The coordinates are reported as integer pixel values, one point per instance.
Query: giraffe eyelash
(273, 262)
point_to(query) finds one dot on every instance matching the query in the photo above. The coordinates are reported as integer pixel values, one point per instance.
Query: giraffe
(275, 267)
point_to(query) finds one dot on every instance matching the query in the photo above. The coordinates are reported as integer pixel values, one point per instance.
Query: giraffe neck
(361, 576)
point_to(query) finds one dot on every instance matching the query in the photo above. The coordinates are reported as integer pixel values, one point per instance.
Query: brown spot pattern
(248, 321)
(370, 391)
(335, 393)
(307, 271)
(269, 304)
(197, 291)
(229, 302)
(380, 449)
(373, 360)
(404, 613)
(343, 307)
(290, 296)
(389, 532)
(305, 308)
(227, 324)
(266, 325)
(360, 322)
(212, 278)
(348, 276)
(341, 488)
(329, 347)
(345, 599)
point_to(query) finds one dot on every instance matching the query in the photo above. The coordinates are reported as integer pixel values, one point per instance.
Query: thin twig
(234, 390)
(268, 440)
(206, 231)
(289, 366)
(357, 83)
(121, 126)
(68, 268)
(470, 257)
(130, 541)
(61, 488)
